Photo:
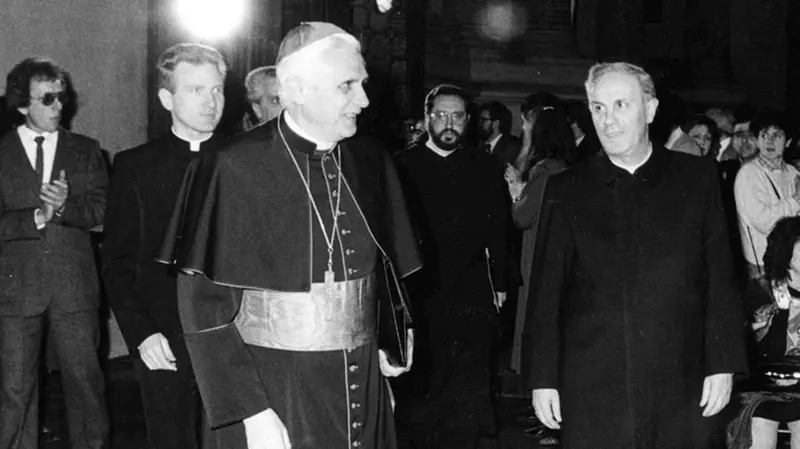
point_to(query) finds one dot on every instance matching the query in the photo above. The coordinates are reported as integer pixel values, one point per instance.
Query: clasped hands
(716, 395)
(54, 196)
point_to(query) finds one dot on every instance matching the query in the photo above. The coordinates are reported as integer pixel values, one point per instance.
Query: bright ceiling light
(384, 5)
(211, 19)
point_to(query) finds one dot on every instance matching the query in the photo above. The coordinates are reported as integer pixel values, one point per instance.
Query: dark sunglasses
(50, 97)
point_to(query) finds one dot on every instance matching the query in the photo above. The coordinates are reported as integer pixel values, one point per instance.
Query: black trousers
(448, 402)
(75, 341)
(173, 409)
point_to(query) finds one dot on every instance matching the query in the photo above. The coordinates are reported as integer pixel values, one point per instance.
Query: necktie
(39, 157)
(487, 147)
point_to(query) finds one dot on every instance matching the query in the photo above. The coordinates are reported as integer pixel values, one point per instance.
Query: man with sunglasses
(262, 94)
(459, 204)
(53, 189)
(142, 293)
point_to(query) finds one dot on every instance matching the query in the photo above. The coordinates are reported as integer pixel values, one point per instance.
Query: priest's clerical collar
(435, 148)
(194, 144)
(632, 168)
(321, 145)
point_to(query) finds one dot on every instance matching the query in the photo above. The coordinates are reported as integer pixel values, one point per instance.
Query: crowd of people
(637, 261)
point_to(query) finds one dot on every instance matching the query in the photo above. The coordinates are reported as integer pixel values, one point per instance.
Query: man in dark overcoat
(635, 333)
(284, 238)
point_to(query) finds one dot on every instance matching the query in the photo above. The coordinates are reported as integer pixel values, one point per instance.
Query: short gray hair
(604, 68)
(267, 71)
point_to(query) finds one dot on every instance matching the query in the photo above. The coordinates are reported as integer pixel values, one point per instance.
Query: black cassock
(246, 223)
(634, 301)
(460, 208)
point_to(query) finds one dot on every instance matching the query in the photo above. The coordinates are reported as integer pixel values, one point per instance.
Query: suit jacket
(507, 149)
(54, 266)
(144, 186)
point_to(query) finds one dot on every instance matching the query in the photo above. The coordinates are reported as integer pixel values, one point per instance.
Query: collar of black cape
(650, 173)
(294, 140)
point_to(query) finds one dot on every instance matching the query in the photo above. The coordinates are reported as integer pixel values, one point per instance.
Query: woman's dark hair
(552, 137)
(771, 118)
(703, 120)
(780, 248)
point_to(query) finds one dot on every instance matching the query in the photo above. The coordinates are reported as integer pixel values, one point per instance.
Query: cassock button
(345, 231)
(355, 405)
(349, 251)
(334, 193)
(341, 212)
(331, 176)
(356, 425)
(353, 368)
(350, 271)
(354, 387)
(356, 444)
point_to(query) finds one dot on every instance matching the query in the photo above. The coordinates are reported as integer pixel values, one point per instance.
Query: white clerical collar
(194, 145)
(432, 146)
(321, 145)
(26, 132)
(632, 169)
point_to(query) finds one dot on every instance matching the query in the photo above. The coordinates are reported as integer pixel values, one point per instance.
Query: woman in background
(553, 150)
(704, 132)
(774, 304)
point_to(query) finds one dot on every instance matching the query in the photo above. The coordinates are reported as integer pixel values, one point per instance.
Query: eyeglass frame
(50, 97)
(444, 116)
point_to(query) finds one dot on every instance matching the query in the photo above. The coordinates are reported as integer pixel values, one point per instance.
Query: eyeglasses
(50, 97)
(455, 117)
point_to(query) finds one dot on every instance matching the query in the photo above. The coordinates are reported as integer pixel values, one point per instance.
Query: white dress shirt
(27, 137)
(493, 142)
